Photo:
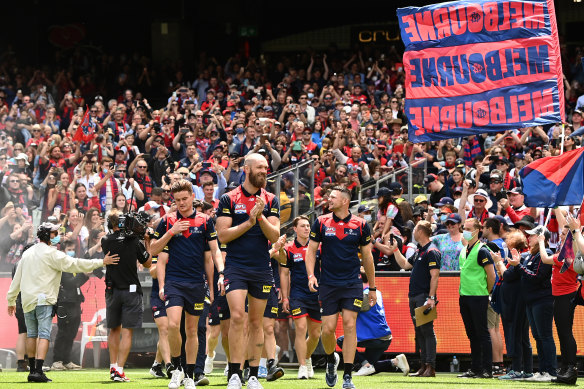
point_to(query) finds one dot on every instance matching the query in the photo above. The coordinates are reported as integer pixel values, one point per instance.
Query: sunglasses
(12, 181)
(190, 136)
(142, 167)
(167, 191)
(479, 201)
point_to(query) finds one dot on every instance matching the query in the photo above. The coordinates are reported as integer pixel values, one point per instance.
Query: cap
(381, 144)
(496, 177)
(504, 160)
(363, 208)
(503, 221)
(321, 108)
(420, 199)
(303, 182)
(578, 111)
(458, 189)
(430, 178)
(442, 171)
(183, 169)
(277, 124)
(395, 188)
(218, 146)
(519, 156)
(526, 221)
(445, 201)
(539, 230)
(418, 211)
(262, 151)
(288, 176)
(454, 218)
(516, 191)
(234, 154)
(151, 205)
(383, 191)
(206, 171)
(459, 163)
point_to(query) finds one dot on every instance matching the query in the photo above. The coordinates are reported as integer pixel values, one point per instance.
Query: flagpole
(563, 134)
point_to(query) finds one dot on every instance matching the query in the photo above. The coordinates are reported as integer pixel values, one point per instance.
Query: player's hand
(161, 294)
(515, 258)
(180, 226)
(286, 306)
(221, 285)
(111, 259)
(312, 284)
(211, 297)
(11, 310)
(372, 298)
(260, 204)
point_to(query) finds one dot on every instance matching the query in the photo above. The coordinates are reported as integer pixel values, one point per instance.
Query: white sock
(263, 362)
(120, 370)
(114, 365)
(156, 363)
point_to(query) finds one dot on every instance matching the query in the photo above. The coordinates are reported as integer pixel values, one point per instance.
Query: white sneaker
(176, 379)
(534, 377)
(234, 382)
(302, 372)
(544, 377)
(72, 366)
(58, 366)
(309, 368)
(226, 371)
(189, 383)
(366, 369)
(208, 369)
(253, 383)
(402, 363)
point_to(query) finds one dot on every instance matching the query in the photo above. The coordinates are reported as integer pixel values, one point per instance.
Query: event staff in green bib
(477, 277)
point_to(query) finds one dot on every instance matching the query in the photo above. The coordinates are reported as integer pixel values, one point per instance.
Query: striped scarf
(471, 150)
(103, 191)
(145, 183)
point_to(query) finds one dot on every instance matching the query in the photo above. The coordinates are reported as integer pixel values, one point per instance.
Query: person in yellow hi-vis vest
(477, 277)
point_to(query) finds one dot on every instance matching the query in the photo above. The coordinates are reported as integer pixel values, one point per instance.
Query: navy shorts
(302, 308)
(190, 296)
(123, 308)
(282, 316)
(271, 311)
(219, 311)
(258, 284)
(333, 299)
(158, 307)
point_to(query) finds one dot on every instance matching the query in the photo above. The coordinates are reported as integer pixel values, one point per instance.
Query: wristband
(171, 233)
(286, 300)
(220, 273)
(575, 231)
(395, 250)
(373, 289)
(310, 276)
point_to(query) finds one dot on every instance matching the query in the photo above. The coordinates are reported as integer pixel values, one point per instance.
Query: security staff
(425, 265)
(477, 277)
(68, 314)
(123, 293)
(38, 277)
(342, 237)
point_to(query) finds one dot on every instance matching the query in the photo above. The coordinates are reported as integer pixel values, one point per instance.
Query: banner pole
(563, 135)
(547, 219)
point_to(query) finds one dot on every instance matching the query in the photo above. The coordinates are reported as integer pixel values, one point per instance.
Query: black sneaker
(468, 374)
(331, 371)
(485, 374)
(201, 380)
(156, 371)
(274, 372)
(38, 377)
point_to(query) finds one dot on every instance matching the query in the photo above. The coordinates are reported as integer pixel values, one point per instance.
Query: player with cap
(342, 237)
(38, 279)
(247, 219)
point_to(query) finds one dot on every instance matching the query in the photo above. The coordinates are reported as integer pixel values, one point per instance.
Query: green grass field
(88, 379)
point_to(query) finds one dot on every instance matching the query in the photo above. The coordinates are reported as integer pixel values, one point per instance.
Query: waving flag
(554, 181)
(566, 254)
(86, 130)
(480, 66)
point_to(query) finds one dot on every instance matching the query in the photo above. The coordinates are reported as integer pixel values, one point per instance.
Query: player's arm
(161, 273)
(367, 260)
(285, 287)
(434, 276)
(310, 262)
(270, 227)
(490, 270)
(210, 270)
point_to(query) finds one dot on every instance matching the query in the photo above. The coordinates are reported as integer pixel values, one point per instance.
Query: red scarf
(103, 191)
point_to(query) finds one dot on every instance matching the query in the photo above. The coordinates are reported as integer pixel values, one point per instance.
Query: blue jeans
(541, 316)
(39, 322)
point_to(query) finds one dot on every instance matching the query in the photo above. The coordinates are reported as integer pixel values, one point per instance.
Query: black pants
(564, 308)
(68, 320)
(516, 330)
(425, 336)
(473, 310)
(374, 349)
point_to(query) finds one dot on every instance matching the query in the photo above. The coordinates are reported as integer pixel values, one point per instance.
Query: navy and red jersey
(186, 251)
(296, 262)
(275, 272)
(250, 250)
(340, 240)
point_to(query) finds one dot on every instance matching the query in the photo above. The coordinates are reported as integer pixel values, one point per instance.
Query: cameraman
(123, 293)
(38, 278)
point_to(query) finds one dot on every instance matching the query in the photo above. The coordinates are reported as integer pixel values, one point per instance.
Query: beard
(258, 180)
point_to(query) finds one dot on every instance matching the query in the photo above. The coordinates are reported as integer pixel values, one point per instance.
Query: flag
(480, 66)
(566, 254)
(554, 181)
(86, 130)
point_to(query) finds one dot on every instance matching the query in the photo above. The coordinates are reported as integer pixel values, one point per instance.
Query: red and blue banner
(554, 181)
(480, 66)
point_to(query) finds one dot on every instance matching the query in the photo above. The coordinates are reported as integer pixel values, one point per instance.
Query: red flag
(85, 131)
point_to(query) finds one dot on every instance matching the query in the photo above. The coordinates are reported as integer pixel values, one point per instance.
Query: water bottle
(454, 366)
(9, 361)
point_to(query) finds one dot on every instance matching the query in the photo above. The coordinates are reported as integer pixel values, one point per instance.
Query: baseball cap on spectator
(579, 112)
(481, 193)
(539, 230)
(420, 199)
(459, 163)
(526, 221)
(457, 189)
(225, 112)
(321, 108)
(277, 124)
(519, 156)
(158, 137)
(262, 151)
(454, 218)
(495, 177)
(303, 182)
(363, 208)
(207, 171)
(347, 109)
(268, 108)
(430, 178)
(234, 154)
(382, 192)
(218, 146)
(230, 103)
(418, 211)
(288, 176)
(395, 188)
(503, 221)
(442, 171)
(503, 160)
(445, 201)
(150, 205)
(381, 144)
(516, 191)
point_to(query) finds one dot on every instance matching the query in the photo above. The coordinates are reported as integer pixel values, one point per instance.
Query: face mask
(105, 171)
(443, 218)
(367, 218)
(374, 78)
(70, 253)
(467, 235)
(56, 239)
(311, 95)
